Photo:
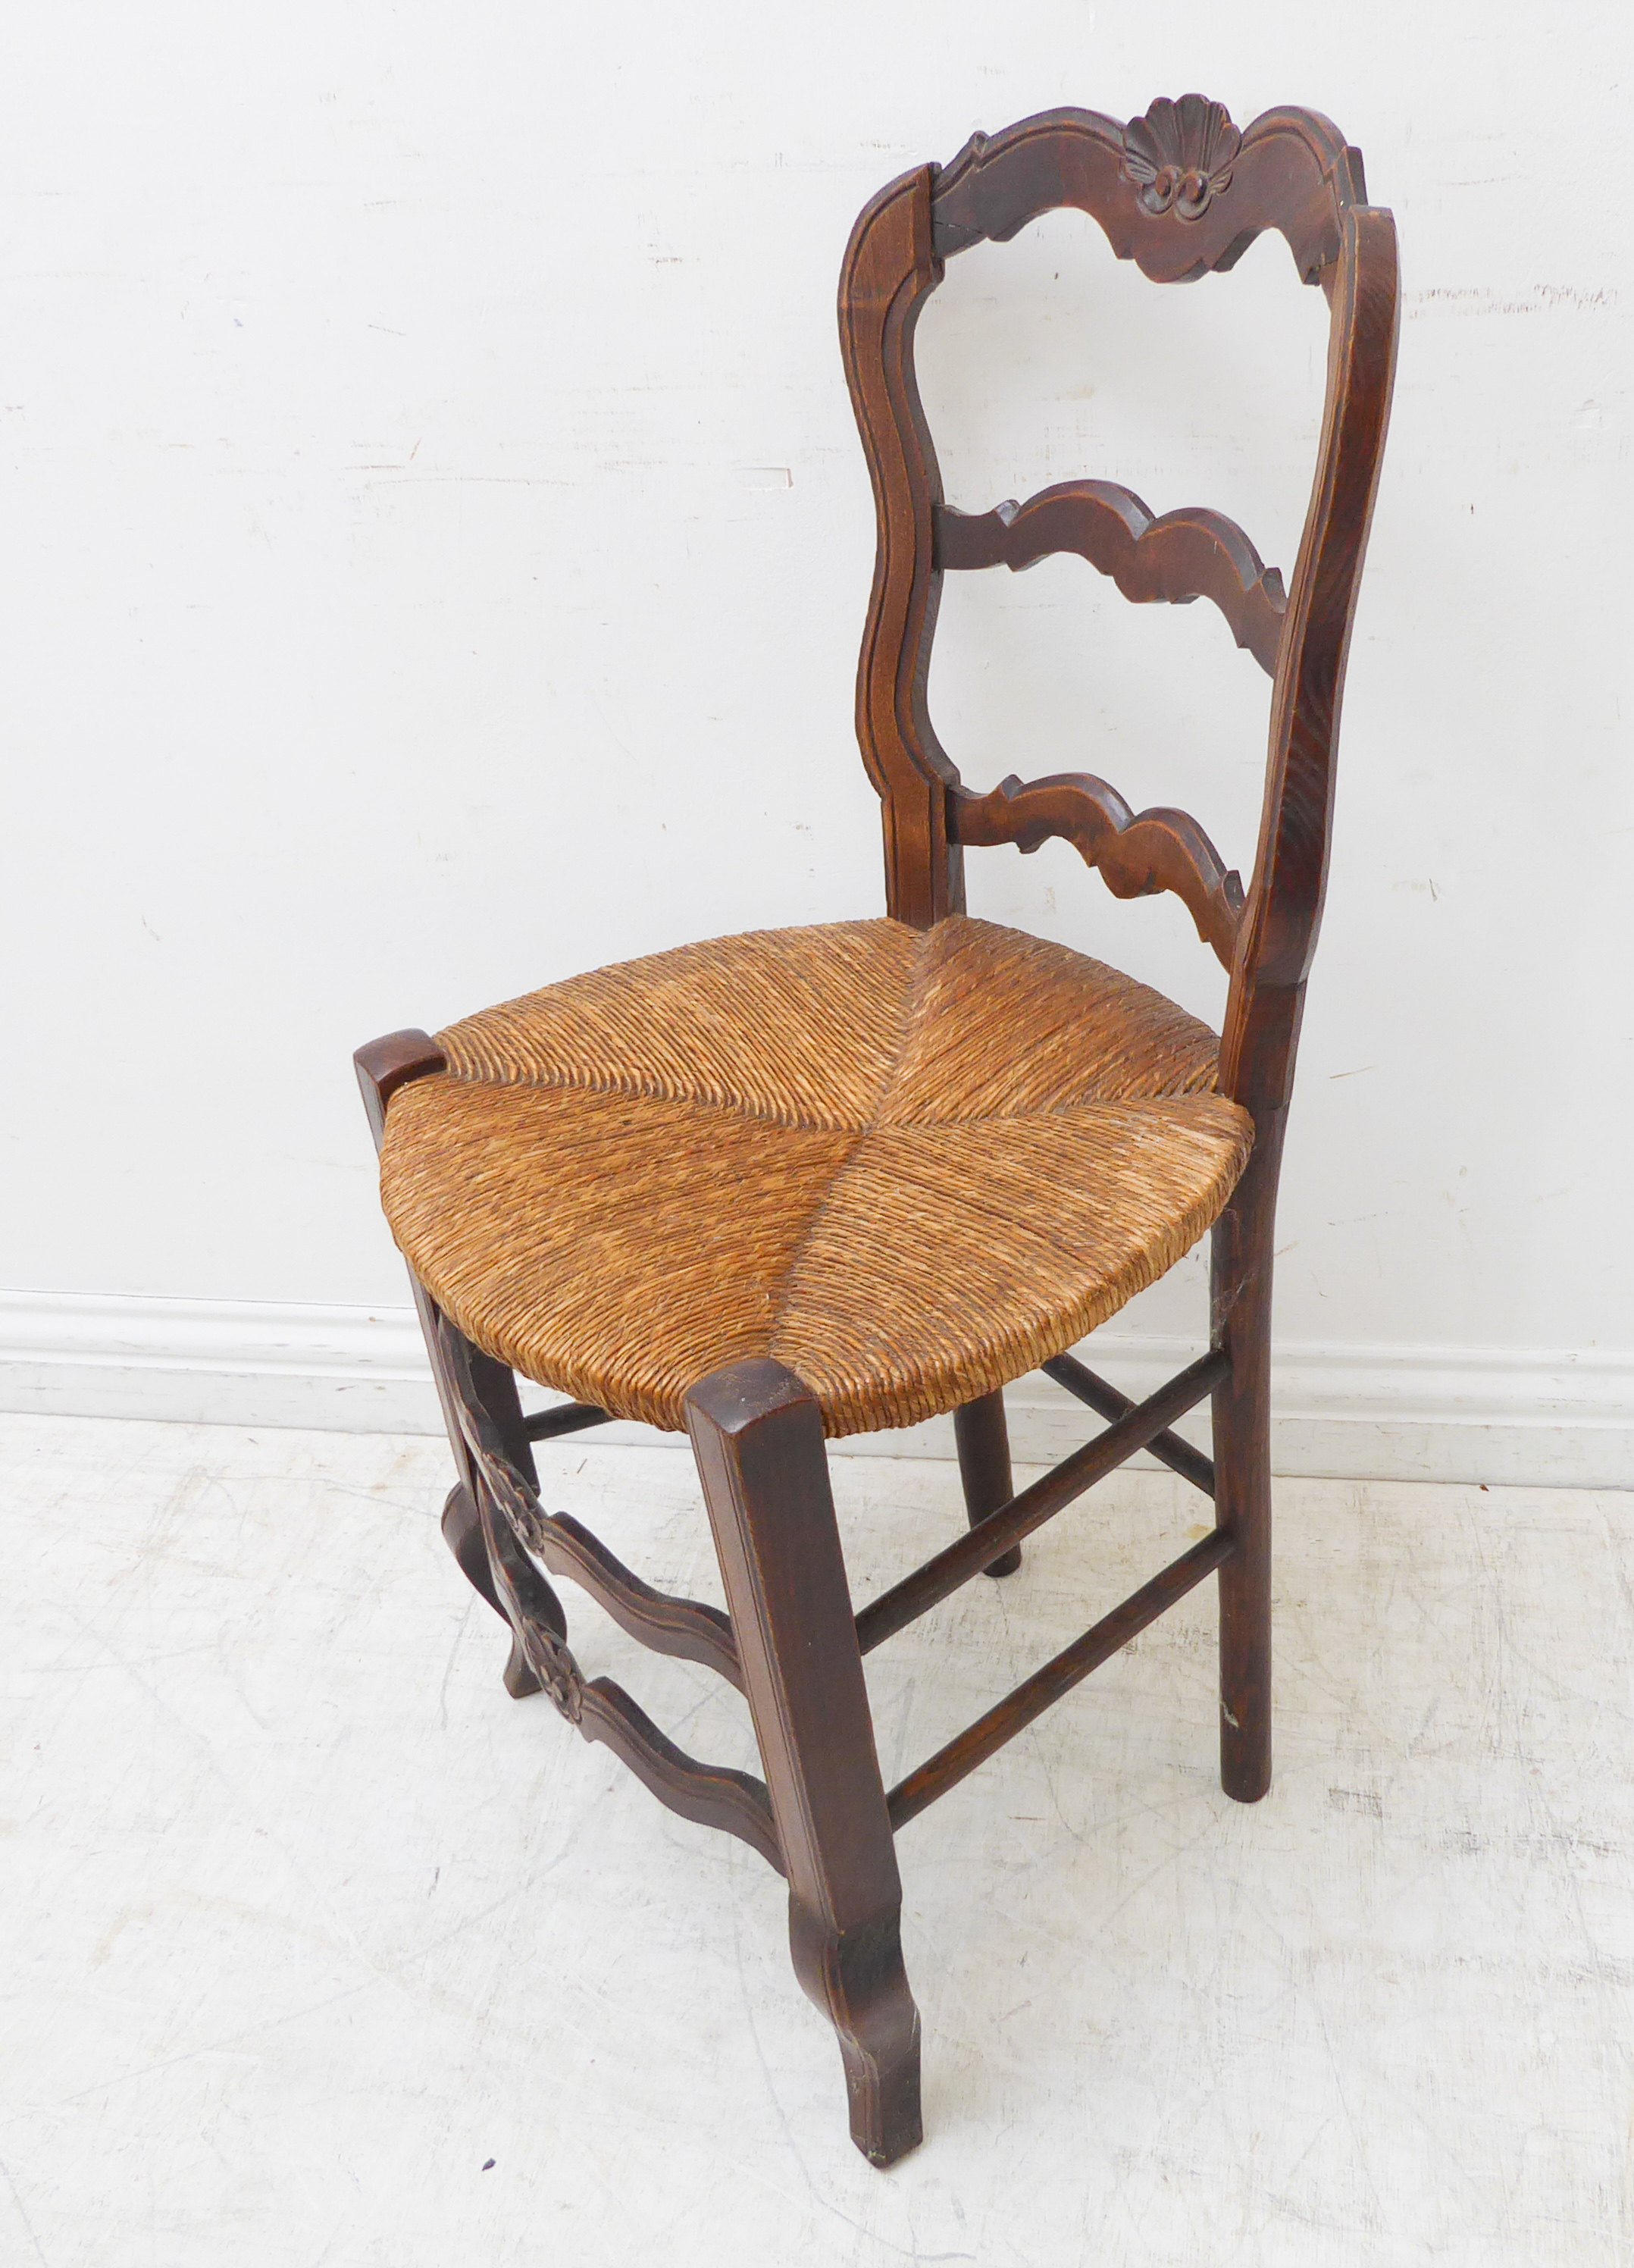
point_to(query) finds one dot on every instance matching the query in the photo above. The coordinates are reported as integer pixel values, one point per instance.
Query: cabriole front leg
(757, 1434)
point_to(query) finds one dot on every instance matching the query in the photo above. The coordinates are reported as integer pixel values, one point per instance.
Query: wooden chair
(817, 1182)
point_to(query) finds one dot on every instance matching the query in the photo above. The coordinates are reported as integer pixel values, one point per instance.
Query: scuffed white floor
(306, 1922)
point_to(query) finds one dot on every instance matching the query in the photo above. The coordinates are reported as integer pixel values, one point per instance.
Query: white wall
(435, 542)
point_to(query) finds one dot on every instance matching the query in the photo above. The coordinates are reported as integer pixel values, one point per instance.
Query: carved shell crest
(1180, 155)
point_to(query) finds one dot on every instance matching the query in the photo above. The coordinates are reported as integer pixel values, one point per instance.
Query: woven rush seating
(910, 1165)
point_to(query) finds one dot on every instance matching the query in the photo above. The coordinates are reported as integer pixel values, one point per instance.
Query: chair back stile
(1183, 193)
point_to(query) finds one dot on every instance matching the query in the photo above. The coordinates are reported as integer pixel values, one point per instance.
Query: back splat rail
(1186, 555)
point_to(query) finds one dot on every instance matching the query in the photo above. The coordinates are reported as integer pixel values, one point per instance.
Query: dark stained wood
(1267, 999)
(1137, 854)
(383, 1067)
(711, 1795)
(1284, 912)
(462, 1532)
(982, 1437)
(493, 1513)
(386, 1064)
(1241, 1304)
(1181, 156)
(686, 1628)
(1100, 1394)
(1291, 170)
(889, 269)
(494, 1390)
(567, 1417)
(905, 1602)
(1182, 192)
(493, 1387)
(511, 1521)
(757, 1435)
(1046, 1686)
(1192, 552)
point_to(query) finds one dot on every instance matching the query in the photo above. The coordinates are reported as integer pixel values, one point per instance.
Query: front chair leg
(383, 1067)
(1240, 1298)
(495, 1386)
(757, 1435)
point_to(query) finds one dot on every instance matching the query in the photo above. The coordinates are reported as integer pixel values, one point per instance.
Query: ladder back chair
(816, 1182)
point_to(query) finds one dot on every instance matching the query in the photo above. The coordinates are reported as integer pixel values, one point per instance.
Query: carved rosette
(555, 1667)
(547, 1655)
(1180, 155)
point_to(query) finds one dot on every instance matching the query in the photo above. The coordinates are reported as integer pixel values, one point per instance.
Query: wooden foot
(758, 1438)
(1241, 1303)
(857, 1977)
(983, 1442)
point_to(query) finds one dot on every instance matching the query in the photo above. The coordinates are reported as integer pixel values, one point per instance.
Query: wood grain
(1292, 171)
(711, 1795)
(685, 1628)
(1182, 192)
(981, 1438)
(1100, 1394)
(757, 1434)
(1290, 880)
(916, 1594)
(513, 1523)
(889, 271)
(1018, 1709)
(1137, 854)
(1176, 557)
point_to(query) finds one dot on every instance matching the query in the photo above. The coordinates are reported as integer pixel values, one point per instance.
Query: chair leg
(461, 1524)
(382, 1067)
(462, 1532)
(983, 1442)
(758, 1439)
(1241, 1304)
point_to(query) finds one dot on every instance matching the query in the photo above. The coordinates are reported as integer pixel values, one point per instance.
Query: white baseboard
(1529, 1415)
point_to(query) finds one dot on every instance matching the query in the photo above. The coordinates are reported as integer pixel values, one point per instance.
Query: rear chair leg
(983, 1438)
(757, 1435)
(1241, 1303)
